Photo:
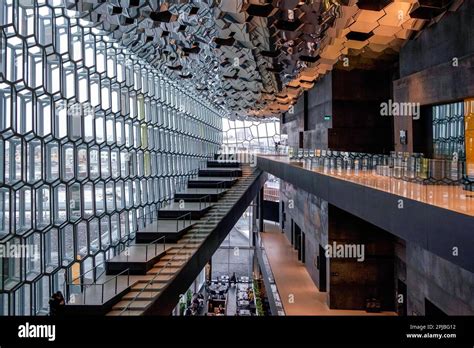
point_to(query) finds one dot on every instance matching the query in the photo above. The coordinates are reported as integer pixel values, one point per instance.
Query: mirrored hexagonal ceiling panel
(255, 57)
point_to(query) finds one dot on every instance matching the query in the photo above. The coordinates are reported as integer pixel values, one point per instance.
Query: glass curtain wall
(448, 131)
(258, 134)
(235, 254)
(91, 138)
(271, 190)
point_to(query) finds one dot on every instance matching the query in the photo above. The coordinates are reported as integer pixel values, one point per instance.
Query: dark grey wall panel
(270, 211)
(452, 37)
(440, 84)
(310, 213)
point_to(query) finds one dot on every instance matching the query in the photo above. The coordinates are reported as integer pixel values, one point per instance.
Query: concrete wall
(429, 75)
(400, 274)
(357, 124)
(352, 281)
(319, 105)
(310, 213)
(452, 37)
(352, 101)
(294, 122)
(427, 276)
(292, 130)
(446, 285)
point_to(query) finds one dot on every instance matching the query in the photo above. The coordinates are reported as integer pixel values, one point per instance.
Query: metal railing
(272, 291)
(155, 218)
(84, 287)
(182, 183)
(81, 278)
(154, 244)
(183, 253)
(220, 187)
(205, 201)
(183, 219)
(203, 164)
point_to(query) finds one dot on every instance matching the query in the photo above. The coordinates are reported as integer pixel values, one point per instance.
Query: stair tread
(157, 278)
(140, 296)
(171, 264)
(149, 287)
(119, 312)
(132, 304)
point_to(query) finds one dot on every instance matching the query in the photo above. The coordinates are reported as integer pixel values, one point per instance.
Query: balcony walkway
(436, 217)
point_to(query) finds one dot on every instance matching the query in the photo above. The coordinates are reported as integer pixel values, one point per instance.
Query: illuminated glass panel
(91, 137)
(251, 135)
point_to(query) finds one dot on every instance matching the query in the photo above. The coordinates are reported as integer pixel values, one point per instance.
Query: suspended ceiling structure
(254, 58)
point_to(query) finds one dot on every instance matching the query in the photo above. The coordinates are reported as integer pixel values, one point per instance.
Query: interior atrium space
(184, 160)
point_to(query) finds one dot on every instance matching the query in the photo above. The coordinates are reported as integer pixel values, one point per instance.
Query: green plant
(259, 306)
(258, 300)
(182, 308)
(189, 296)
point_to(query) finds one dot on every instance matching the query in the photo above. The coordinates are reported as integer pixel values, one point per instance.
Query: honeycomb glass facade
(91, 139)
(251, 134)
(448, 131)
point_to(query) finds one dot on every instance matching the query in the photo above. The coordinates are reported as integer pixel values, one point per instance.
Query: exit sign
(327, 117)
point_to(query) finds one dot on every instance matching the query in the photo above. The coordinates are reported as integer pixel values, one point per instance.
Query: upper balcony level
(440, 218)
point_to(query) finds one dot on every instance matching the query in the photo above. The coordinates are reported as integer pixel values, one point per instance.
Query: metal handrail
(115, 277)
(167, 264)
(146, 246)
(66, 285)
(156, 243)
(234, 150)
(165, 203)
(220, 187)
(152, 280)
(127, 307)
(82, 274)
(141, 218)
(181, 183)
(203, 199)
(183, 217)
(219, 184)
(201, 162)
(116, 280)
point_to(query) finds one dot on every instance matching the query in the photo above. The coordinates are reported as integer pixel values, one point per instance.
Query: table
(244, 312)
(218, 288)
(243, 303)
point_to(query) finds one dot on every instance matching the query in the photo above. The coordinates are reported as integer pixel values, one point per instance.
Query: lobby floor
(292, 278)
